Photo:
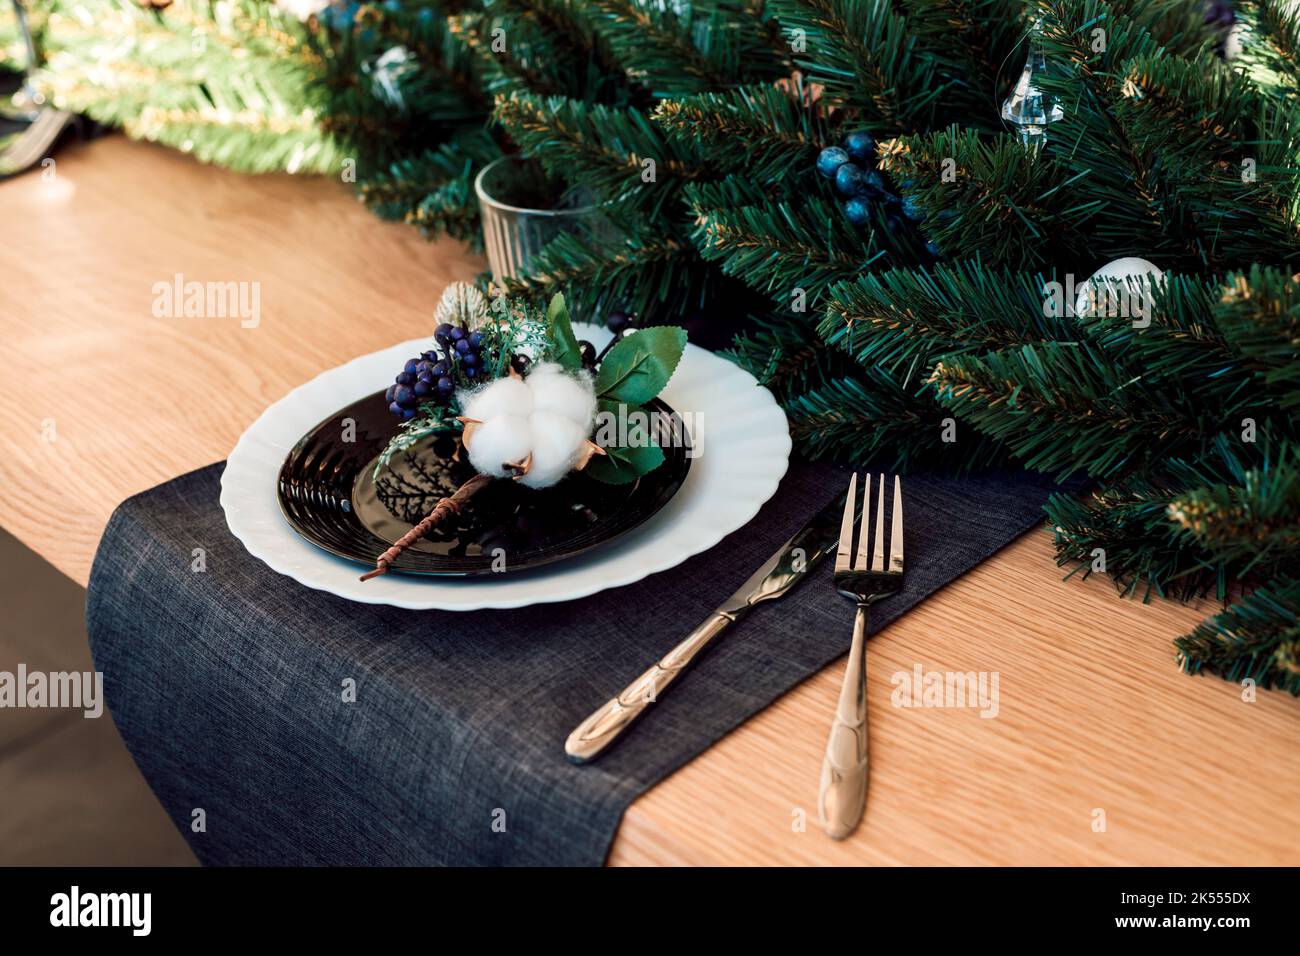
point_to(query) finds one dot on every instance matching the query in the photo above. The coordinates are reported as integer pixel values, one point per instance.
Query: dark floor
(69, 792)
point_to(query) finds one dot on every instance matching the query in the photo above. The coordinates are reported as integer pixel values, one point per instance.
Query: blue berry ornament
(857, 211)
(830, 160)
(851, 181)
(860, 146)
(912, 211)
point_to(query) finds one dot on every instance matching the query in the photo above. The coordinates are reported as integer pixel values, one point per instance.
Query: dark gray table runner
(227, 683)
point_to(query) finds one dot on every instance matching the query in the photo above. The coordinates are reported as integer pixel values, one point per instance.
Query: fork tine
(896, 534)
(860, 564)
(878, 552)
(845, 552)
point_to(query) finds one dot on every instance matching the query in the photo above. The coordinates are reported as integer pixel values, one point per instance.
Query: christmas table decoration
(523, 394)
(914, 329)
(300, 496)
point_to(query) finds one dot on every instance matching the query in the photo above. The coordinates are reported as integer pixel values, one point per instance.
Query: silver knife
(779, 573)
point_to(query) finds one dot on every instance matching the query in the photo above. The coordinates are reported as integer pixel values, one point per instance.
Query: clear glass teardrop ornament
(1028, 107)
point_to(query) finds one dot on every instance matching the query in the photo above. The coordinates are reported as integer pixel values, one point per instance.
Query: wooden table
(102, 400)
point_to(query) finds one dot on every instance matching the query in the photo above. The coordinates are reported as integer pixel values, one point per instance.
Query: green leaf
(630, 452)
(564, 344)
(640, 365)
(619, 466)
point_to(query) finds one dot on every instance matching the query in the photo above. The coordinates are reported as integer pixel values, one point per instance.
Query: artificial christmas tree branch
(1062, 408)
(990, 196)
(231, 85)
(1258, 638)
(597, 147)
(865, 57)
(875, 417)
(974, 40)
(655, 42)
(771, 131)
(901, 317)
(785, 247)
(1258, 313)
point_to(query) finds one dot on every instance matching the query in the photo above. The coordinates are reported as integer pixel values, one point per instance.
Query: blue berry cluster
(852, 168)
(431, 376)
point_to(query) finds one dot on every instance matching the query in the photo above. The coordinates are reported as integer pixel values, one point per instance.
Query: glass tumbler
(522, 210)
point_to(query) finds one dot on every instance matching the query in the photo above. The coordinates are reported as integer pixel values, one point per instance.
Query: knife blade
(780, 573)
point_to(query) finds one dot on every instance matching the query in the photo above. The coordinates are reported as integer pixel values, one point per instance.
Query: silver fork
(842, 795)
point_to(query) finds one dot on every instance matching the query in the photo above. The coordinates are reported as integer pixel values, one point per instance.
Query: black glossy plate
(327, 494)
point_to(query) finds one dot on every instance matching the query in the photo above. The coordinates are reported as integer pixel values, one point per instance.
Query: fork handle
(590, 738)
(842, 796)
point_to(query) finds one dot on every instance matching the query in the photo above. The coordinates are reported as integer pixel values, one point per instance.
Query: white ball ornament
(1129, 275)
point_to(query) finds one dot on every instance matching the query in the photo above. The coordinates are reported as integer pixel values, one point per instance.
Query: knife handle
(590, 738)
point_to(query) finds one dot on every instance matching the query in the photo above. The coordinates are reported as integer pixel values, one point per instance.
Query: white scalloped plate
(744, 446)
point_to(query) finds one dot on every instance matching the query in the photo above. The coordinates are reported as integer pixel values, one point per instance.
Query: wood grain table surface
(1101, 751)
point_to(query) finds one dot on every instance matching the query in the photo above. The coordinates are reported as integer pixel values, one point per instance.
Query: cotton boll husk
(557, 441)
(505, 396)
(501, 440)
(554, 390)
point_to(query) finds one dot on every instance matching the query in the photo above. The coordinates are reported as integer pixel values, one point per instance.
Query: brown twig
(442, 510)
